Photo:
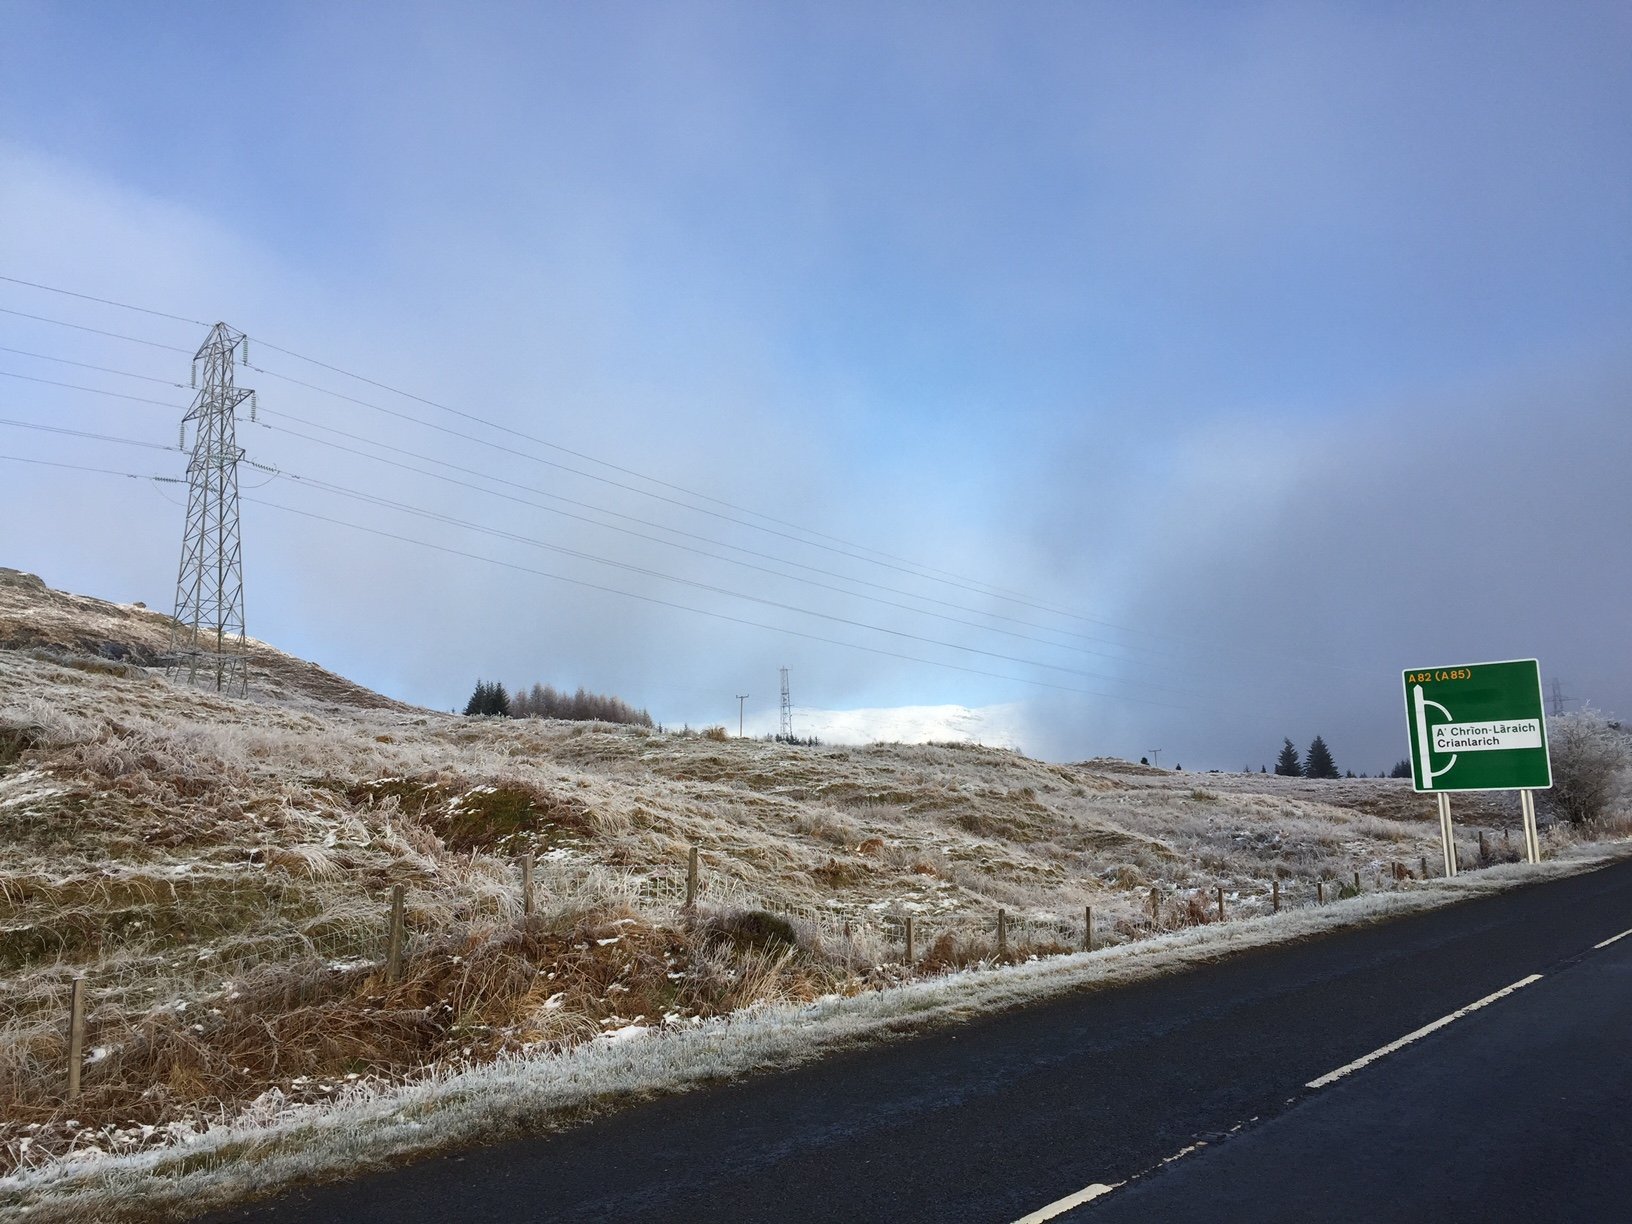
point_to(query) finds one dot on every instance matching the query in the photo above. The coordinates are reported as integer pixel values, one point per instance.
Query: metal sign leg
(1532, 835)
(1446, 834)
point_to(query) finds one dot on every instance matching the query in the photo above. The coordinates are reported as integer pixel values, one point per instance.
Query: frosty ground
(219, 871)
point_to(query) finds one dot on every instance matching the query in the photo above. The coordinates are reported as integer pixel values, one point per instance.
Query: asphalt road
(1492, 1117)
(1521, 1111)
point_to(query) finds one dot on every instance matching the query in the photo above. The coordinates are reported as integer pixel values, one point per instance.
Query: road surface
(1503, 1113)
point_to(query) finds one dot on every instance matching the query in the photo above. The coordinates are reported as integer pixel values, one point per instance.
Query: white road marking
(1090, 1193)
(1332, 1076)
(1061, 1206)
(1611, 940)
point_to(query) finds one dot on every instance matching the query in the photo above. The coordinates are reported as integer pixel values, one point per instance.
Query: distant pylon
(787, 708)
(1558, 698)
(207, 639)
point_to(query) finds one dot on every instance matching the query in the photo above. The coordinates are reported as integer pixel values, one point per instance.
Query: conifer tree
(1317, 762)
(1287, 764)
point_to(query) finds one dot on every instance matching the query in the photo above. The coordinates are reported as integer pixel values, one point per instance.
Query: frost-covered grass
(219, 871)
(276, 1141)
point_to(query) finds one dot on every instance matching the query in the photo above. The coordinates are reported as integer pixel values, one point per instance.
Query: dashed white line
(1089, 1193)
(1388, 1049)
(1061, 1206)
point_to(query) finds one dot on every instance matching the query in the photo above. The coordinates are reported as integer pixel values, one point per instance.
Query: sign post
(1479, 727)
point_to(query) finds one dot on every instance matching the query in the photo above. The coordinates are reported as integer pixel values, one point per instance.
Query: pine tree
(1317, 762)
(1402, 769)
(477, 699)
(1287, 764)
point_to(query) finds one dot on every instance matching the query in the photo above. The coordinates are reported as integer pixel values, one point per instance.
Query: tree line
(1316, 763)
(546, 701)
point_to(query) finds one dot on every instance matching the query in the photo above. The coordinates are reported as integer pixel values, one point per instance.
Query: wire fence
(139, 976)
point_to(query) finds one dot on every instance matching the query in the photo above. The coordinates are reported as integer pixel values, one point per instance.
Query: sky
(1170, 376)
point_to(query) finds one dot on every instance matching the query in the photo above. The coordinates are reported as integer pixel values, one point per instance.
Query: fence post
(1357, 883)
(1221, 903)
(1155, 907)
(1002, 933)
(1425, 866)
(1320, 892)
(76, 1036)
(393, 948)
(1275, 896)
(691, 879)
(909, 939)
(1087, 928)
(527, 884)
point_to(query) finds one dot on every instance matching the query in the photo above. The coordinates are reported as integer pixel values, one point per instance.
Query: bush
(1592, 766)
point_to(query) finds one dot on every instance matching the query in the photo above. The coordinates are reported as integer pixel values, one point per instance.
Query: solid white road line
(1061, 1206)
(1611, 940)
(1332, 1076)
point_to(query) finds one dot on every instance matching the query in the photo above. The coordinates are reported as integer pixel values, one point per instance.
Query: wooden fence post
(393, 948)
(1357, 883)
(1088, 928)
(1002, 933)
(1320, 892)
(1155, 907)
(1275, 897)
(909, 939)
(76, 1036)
(1221, 903)
(527, 884)
(691, 879)
(1425, 866)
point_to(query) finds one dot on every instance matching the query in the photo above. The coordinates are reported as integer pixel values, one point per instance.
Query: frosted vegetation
(220, 874)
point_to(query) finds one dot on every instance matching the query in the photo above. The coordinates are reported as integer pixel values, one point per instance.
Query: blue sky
(1172, 315)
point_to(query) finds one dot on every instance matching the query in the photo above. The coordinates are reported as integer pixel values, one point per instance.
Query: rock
(25, 581)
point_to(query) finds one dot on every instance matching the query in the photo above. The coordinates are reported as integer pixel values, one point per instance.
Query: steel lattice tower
(787, 708)
(207, 640)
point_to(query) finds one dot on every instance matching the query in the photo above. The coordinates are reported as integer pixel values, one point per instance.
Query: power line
(727, 592)
(50, 382)
(343, 491)
(652, 599)
(105, 301)
(87, 366)
(22, 314)
(95, 437)
(607, 526)
(579, 582)
(77, 467)
(616, 484)
(918, 569)
(916, 611)
(915, 569)
(671, 543)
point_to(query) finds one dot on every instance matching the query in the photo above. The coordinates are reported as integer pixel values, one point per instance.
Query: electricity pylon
(207, 639)
(787, 708)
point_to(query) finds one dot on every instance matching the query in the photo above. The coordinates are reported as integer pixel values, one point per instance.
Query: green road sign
(1477, 726)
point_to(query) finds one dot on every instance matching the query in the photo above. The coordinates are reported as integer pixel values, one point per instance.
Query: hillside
(33, 617)
(220, 872)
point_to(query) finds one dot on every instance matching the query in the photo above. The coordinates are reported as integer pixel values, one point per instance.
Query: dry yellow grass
(220, 870)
